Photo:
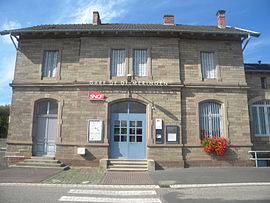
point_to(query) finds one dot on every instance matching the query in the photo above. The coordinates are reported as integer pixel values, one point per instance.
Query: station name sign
(125, 83)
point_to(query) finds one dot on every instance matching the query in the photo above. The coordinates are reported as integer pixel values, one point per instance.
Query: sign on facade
(96, 96)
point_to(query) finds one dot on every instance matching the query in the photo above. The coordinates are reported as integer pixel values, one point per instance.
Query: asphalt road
(52, 194)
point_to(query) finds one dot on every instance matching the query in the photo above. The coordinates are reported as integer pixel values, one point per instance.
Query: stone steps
(127, 165)
(41, 162)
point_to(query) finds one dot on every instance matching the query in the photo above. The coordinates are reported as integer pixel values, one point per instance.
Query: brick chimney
(221, 18)
(96, 18)
(168, 19)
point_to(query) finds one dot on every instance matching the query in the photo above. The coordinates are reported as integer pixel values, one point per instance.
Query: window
(263, 83)
(208, 65)
(140, 62)
(118, 62)
(47, 107)
(49, 66)
(261, 118)
(210, 119)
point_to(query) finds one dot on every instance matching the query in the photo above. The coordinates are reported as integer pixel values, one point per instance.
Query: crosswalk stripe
(110, 200)
(112, 192)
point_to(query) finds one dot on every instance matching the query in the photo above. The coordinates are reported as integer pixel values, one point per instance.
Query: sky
(247, 14)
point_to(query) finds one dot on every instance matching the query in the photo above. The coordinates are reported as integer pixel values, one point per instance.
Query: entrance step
(127, 165)
(41, 162)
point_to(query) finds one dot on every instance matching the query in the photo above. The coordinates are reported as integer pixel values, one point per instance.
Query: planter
(216, 145)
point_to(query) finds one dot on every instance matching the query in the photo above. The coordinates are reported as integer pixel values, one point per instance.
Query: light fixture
(129, 76)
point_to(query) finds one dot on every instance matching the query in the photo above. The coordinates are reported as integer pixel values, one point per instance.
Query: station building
(83, 93)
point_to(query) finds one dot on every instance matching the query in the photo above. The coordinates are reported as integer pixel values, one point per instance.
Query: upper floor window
(210, 119)
(208, 65)
(263, 83)
(118, 62)
(261, 118)
(50, 60)
(140, 62)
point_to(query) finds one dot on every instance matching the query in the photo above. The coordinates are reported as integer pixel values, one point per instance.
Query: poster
(95, 128)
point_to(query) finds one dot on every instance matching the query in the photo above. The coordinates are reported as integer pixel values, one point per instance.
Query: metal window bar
(256, 158)
(210, 119)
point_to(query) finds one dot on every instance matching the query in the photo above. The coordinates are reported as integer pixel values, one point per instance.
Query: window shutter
(208, 65)
(140, 62)
(118, 62)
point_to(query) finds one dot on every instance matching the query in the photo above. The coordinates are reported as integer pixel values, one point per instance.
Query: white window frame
(261, 104)
(203, 119)
(208, 65)
(136, 69)
(49, 72)
(114, 72)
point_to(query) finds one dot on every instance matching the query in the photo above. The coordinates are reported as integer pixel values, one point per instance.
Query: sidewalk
(177, 176)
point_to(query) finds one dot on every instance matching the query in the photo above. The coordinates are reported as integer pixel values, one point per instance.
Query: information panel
(95, 130)
(172, 134)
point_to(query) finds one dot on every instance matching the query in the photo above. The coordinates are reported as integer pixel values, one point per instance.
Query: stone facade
(173, 63)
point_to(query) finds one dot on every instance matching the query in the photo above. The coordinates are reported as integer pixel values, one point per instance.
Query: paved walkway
(26, 175)
(127, 178)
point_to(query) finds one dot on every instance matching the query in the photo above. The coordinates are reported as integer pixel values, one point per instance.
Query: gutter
(246, 43)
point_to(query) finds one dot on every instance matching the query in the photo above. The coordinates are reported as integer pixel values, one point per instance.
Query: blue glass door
(127, 135)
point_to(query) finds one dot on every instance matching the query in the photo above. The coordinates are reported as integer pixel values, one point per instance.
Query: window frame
(263, 82)
(215, 65)
(266, 118)
(125, 63)
(58, 65)
(221, 118)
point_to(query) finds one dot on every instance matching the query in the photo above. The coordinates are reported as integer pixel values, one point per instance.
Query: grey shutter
(50, 63)
(118, 62)
(208, 65)
(140, 62)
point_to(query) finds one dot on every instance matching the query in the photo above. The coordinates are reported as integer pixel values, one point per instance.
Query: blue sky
(247, 14)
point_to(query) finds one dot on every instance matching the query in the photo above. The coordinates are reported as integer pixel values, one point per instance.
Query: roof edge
(252, 33)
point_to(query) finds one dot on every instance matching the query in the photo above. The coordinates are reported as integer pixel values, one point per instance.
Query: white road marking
(110, 200)
(111, 192)
(218, 185)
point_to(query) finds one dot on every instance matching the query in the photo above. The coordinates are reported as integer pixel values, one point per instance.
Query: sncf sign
(96, 96)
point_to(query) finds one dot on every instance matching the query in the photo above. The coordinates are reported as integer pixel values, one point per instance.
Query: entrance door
(46, 129)
(127, 133)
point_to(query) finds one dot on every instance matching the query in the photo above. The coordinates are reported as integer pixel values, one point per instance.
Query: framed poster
(95, 130)
(172, 134)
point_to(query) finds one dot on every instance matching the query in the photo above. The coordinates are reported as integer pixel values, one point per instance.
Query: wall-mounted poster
(95, 130)
(172, 134)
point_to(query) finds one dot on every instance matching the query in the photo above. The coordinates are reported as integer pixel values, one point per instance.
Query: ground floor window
(210, 119)
(261, 118)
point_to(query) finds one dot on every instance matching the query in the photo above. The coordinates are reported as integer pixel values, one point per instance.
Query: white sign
(133, 83)
(95, 130)
(172, 137)
(159, 124)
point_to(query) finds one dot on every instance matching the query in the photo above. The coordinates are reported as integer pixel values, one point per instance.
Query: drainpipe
(246, 42)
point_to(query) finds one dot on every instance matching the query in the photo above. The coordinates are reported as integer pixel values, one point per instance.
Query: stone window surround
(224, 114)
(250, 103)
(129, 51)
(218, 71)
(50, 47)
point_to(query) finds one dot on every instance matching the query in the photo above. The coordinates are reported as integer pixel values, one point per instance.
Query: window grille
(210, 119)
(140, 62)
(208, 65)
(261, 118)
(49, 63)
(118, 62)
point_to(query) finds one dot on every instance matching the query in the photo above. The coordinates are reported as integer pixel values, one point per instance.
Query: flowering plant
(215, 144)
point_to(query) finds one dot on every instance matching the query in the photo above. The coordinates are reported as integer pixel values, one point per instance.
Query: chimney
(221, 18)
(96, 18)
(168, 19)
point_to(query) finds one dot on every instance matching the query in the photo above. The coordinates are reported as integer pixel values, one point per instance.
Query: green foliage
(4, 116)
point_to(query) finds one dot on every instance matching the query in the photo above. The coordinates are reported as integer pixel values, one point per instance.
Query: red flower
(214, 144)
